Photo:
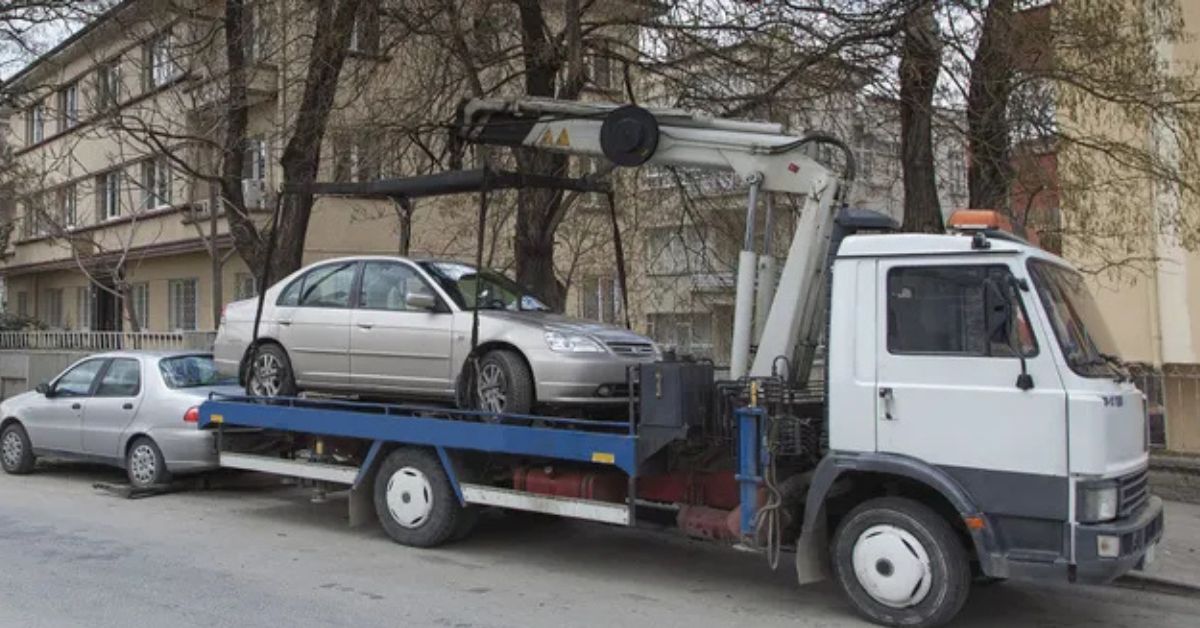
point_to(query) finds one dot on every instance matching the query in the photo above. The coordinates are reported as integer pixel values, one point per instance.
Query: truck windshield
(1085, 340)
(495, 291)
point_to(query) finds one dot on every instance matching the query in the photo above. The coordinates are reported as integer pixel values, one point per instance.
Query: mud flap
(812, 552)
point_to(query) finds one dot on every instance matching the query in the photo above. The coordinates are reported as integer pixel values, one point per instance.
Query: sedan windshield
(1084, 338)
(191, 371)
(495, 291)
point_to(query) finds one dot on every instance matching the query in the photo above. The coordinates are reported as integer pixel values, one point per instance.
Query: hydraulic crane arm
(760, 153)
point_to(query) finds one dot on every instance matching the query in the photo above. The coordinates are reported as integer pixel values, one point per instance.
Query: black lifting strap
(471, 391)
(620, 252)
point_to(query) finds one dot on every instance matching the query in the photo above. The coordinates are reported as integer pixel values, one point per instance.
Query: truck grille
(1133, 493)
(632, 349)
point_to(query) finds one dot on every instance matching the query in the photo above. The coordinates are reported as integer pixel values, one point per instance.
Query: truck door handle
(127, 406)
(885, 393)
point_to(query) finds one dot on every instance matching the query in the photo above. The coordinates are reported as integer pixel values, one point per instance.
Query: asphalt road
(263, 555)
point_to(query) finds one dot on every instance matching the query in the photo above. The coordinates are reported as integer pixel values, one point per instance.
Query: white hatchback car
(397, 327)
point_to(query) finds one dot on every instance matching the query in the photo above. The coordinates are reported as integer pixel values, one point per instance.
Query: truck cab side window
(952, 310)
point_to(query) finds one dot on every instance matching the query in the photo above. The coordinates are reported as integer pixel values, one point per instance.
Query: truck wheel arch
(914, 473)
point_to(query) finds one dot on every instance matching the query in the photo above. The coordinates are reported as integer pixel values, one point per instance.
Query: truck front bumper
(1134, 536)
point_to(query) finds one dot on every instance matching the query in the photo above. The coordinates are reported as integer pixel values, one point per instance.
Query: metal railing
(106, 340)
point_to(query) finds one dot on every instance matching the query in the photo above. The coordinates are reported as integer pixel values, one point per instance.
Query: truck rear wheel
(415, 502)
(900, 563)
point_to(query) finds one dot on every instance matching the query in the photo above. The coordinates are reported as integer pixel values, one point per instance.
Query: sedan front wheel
(270, 373)
(503, 383)
(16, 452)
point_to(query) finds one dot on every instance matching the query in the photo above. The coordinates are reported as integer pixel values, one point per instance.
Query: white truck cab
(979, 365)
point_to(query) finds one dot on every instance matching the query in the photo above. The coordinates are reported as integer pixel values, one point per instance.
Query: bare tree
(920, 64)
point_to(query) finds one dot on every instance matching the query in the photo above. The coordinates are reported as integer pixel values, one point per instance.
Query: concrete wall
(24, 370)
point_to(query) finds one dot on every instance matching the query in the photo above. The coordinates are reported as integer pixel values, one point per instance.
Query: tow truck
(969, 422)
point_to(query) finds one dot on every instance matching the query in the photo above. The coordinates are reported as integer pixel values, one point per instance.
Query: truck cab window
(956, 310)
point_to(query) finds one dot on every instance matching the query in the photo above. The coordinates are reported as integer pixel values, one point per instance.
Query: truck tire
(504, 383)
(900, 563)
(16, 452)
(269, 373)
(415, 502)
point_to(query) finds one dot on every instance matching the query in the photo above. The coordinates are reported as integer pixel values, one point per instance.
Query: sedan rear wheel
(145, 464)
(270, 373)
(16, 452)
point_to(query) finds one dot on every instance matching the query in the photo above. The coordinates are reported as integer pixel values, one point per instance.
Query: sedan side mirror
(420, 301)
(44, 389)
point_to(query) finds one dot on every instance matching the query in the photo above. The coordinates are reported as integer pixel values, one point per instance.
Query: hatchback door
(400, 333)
(316, 332)
(55, 421)
(112, 408)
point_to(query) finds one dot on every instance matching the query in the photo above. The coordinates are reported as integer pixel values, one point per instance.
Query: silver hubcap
(266, 376)
(493, 388)
(12, 449)
(409, 497)
(892, 566)
(143, 464)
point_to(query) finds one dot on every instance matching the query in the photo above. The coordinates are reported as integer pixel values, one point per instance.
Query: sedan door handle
(366, 325)
(127, 406)
(76, 406)
(285, 323)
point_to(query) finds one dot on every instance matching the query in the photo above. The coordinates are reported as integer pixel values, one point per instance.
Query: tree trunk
(302, 156)
(920, 63)
(990, 172)
(246, 237)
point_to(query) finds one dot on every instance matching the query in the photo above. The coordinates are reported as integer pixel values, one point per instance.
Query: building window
(108, 195)
(67, 206)
(52, 307)
(244, 286)
(68, 107)
(29, 219)
(156, 183)
(365, 38)
(83, 306)
(356, 156)
(254, 164)
(601, 68)
(139, 296)
(678, 250)
(257, 33)
(162, 65)
(600, 299)
(23, 304)
(35, 123)
(688, 333)
(108, 86)
(181, 304)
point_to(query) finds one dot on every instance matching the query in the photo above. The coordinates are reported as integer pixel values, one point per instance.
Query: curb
(1157, 584)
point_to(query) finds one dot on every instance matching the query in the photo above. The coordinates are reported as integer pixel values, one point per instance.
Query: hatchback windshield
(190, 371)
(1085, 340)
(495, 291)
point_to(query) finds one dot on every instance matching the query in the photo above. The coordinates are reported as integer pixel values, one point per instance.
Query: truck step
(604, 512)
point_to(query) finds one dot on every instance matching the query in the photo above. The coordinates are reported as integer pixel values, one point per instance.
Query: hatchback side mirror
(44, 389)
(420, 301)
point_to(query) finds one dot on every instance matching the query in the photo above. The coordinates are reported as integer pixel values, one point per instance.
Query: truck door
(947, 383)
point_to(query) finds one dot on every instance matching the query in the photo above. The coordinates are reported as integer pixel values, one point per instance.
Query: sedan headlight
(572, 343)
(1096, 503)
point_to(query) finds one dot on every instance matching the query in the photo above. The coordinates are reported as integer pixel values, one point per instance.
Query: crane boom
(766, 158)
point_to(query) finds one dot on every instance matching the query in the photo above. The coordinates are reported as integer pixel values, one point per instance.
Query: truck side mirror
(999, 300)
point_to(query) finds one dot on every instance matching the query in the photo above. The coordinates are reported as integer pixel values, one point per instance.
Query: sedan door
(54, 421)
(111, 409)
(316, 332)
(400, 333)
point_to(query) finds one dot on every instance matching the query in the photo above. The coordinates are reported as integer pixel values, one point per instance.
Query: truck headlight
(572, 343)
(1096, 503)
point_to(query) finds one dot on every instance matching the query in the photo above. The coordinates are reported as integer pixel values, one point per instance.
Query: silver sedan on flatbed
(135, 410)
(391, 326)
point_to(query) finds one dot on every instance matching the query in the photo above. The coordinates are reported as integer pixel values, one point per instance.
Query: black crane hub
(629, 136)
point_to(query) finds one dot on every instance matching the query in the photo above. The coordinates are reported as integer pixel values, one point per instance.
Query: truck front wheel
(415, 502)
(900, 563)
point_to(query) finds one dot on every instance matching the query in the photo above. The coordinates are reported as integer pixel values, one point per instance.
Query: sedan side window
(122, 379)
(328, 286)
(387, 285)
(77, 382)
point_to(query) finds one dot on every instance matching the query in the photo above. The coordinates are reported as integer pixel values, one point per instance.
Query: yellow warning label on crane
(563, 138)
(603, 457)
(547, 138)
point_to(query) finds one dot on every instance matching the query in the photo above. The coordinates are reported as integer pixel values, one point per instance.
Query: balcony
(208, 93)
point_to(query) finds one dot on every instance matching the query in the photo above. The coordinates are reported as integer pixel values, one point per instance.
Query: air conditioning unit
(200, 208)
(254, 193)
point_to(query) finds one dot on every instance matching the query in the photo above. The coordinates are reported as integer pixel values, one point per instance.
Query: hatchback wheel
(270, 373)
(504, 384)
(16, 452)
(145, 465)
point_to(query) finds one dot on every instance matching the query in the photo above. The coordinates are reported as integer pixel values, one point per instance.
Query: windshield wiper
(1112, 362)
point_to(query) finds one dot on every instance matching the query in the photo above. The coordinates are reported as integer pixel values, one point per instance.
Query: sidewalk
(1178, 561)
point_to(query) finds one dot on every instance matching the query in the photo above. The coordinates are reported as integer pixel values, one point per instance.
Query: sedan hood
(557, 322)
(17, 401)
